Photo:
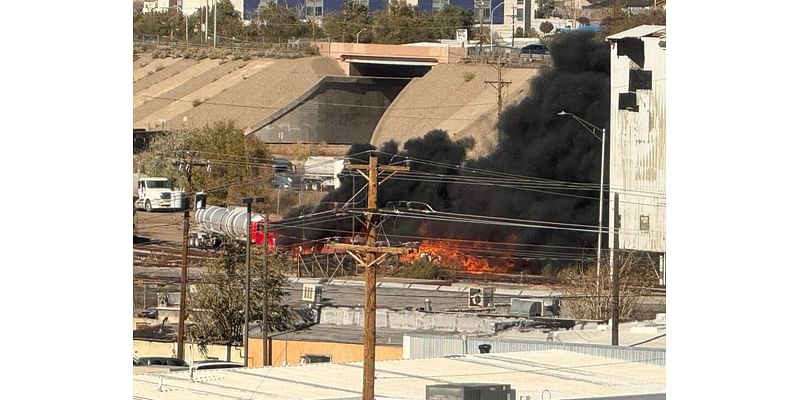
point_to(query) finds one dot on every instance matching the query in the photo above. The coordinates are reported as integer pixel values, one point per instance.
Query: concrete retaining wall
(414, 320)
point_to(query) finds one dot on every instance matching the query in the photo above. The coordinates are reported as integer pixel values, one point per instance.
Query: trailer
(322, 173)
(214, 225)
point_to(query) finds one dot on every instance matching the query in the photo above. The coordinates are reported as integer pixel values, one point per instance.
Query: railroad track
(153, 255)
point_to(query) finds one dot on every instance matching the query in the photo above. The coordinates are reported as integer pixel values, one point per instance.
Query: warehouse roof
(563, 374)
(638, 32)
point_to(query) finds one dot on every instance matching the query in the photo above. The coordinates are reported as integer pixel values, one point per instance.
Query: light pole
(359, 32)
(491, 21)
(592, 129)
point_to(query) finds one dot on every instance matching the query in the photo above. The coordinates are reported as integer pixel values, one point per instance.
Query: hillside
(450, 98)
(173, 93)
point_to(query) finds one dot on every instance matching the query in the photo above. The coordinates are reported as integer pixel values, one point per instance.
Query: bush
(196, 102)
(546, 27)
(421, 269)
(468, 76)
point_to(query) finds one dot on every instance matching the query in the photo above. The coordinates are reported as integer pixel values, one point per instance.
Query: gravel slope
(245, 92)
(447, 98)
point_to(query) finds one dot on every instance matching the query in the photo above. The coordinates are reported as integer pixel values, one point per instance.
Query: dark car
(149, 312)
(534, 49)
(167, 361)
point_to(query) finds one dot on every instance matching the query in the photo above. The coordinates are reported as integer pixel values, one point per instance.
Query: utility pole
(185, 163)
(367, 257)
(267, 356)
(615, 278)
(499, 84)
(215, 23)
(481, 4)
(513, 29)
(248, 201)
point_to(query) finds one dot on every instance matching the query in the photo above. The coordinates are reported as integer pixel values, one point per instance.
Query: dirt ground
(167, 226)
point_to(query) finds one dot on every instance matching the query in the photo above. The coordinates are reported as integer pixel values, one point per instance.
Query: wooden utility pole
(185, 164)
(267, 357)
(499, 84)
(367, 256)
(615, 277)
(248, 202)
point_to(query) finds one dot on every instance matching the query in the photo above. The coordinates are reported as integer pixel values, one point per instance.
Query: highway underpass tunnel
(388, 70)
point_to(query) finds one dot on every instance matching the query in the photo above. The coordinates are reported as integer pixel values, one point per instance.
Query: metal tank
(225, 221)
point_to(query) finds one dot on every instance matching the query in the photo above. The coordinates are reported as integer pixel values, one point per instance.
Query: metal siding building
(637, 182)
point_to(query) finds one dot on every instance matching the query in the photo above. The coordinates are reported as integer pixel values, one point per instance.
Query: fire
(444, 253)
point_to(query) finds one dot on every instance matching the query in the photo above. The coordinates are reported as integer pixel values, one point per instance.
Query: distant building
(637, 180)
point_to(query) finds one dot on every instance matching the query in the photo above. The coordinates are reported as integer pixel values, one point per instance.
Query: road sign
(461, 36)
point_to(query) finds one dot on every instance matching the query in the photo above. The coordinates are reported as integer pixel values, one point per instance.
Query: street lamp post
(359, 32)
(491, 22)
(602, 139)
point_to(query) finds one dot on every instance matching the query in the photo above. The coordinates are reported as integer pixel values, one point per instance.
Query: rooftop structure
(563, 374)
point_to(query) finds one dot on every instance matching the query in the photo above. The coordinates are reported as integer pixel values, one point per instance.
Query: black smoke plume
(534, 142)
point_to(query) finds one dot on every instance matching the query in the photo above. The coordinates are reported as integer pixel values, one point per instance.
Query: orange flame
(440, 252)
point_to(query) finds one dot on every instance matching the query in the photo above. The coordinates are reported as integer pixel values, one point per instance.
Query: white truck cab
(156, 193)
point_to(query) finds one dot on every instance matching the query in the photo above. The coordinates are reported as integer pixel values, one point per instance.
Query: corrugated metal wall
(423, 346)
(638, 148)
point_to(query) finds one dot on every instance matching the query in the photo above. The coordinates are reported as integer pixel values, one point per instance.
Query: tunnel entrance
(343, 110)
(337, 110)
(388, 70)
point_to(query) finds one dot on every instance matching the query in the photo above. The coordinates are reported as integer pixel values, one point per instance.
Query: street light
(592, 129)
(491, 21)
(359, 32)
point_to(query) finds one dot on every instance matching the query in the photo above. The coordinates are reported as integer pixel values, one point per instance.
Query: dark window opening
(633, 48)
(627, 101)
(639, 79)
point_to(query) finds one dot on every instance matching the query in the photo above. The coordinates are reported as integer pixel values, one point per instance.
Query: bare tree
(584, 300)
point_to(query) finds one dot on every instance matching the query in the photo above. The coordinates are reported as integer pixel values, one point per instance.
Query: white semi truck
(156, 193)
(322, 173)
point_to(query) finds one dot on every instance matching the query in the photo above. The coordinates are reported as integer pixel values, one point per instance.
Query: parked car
(534, 49)
(149, 312)
(214, 364)
(167, 361)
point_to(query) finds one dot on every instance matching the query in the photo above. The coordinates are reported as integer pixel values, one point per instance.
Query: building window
(520, 14)
(644, 223)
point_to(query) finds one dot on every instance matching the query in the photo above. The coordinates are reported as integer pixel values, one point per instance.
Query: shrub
(546, 27)
(421, 269)
(196, 102)
(468, 76)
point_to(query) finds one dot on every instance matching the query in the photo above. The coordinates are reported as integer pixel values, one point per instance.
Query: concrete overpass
(389, 59)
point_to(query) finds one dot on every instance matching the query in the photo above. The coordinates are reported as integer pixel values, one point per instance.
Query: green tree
(216, 307)
(400, 23)
(344, 24)
(449, 19)
(239, 164)
(545, 9)
(278, 24)
(162, 22)
(229, 21)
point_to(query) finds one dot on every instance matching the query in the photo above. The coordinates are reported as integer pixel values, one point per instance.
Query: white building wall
(638, 152)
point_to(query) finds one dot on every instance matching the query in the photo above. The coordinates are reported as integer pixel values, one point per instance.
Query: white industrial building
(638, 122)
(549, 374)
